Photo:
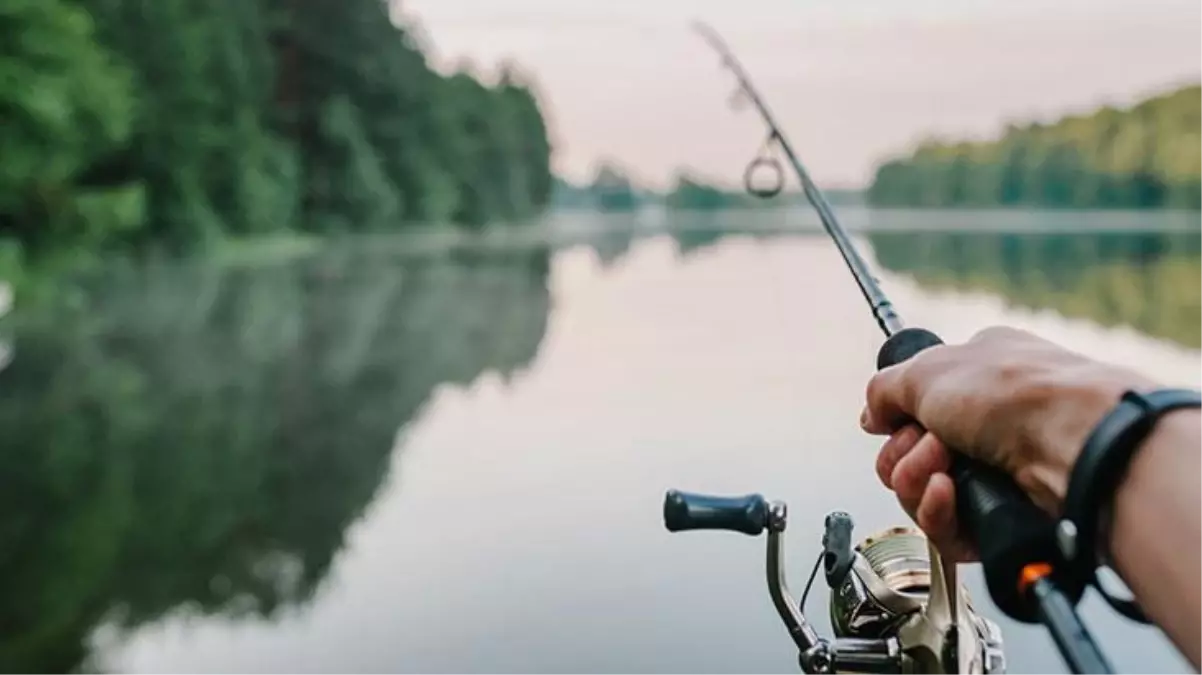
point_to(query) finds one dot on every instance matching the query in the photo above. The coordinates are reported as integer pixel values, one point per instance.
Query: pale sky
(851, 80)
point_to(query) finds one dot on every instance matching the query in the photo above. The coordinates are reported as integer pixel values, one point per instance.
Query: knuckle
(915, 379)
(1032, 389)
(908, 479)
(994, 334)
(1011, 373)
(928, 360)
(876, 389)
(910, 435)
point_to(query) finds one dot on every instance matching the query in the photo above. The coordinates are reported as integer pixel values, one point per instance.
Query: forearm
(1156, 533)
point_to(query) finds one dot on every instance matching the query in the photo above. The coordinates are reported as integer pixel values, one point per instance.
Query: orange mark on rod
(1032, 573)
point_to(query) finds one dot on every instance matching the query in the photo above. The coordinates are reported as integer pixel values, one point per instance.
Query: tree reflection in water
(1148, 281)
(203, 436)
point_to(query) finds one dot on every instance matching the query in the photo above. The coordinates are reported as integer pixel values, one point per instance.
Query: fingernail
(866, 421)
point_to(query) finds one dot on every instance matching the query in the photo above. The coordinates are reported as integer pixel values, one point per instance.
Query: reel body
(893, 607)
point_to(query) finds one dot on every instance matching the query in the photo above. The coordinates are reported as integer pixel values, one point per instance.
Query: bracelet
(1096, 475)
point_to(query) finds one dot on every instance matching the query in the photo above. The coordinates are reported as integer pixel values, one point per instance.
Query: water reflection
(1143, 280)
(6, 296)
(694, 232)
(203, 437)
(1147, 281)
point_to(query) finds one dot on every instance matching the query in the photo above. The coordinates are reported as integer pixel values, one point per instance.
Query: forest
(1145, 156)
(169, 125)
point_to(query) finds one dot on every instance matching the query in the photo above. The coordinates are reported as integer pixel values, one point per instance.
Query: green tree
(172, 123)
(65, 104)
(613, 189)
(1147, 156)
(348, 188)
(694, 193)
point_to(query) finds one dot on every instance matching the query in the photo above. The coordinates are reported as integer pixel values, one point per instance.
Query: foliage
(64, 104)
(689, 193)
(566, 194)
(693, 193)
(1147, 156)
(613, 189)
(176, 123)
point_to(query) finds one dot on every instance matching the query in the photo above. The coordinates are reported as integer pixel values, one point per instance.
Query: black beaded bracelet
(1096, 476)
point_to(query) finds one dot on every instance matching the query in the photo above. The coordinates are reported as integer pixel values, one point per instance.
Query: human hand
(1006, 397)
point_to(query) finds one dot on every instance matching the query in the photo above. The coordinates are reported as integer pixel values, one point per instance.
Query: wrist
(1171, 443)
(1073, 405)
(1127, 446)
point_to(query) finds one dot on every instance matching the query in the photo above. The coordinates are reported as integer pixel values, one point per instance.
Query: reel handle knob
(687, 511)
(837, 555)
(1008, 530)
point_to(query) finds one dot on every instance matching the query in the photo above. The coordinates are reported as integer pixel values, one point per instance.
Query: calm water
(450, 457)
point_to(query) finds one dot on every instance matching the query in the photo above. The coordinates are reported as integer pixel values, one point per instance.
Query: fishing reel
(894, 606)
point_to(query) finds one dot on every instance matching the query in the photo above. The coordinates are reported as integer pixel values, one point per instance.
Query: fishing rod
(875, 630)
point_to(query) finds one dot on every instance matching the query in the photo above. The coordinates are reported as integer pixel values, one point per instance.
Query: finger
(884, 407)
(910, 506)
(936, 515)
(914, 470)
(898, 445)
(894, 393)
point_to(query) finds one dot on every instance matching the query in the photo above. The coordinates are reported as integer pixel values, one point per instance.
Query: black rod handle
(685, 511)
(1008, 530)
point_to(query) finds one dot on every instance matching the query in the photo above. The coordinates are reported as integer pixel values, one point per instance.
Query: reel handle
(687, 511)
(837, 553)
(1008, 530)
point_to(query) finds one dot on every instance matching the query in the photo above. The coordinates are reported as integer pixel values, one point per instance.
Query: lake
(442, 453)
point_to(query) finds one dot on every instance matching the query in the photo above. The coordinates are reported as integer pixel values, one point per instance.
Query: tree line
(1145, 156)
(613, 189)
(176, 122)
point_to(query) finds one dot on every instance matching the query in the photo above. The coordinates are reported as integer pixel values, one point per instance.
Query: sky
(852, 81)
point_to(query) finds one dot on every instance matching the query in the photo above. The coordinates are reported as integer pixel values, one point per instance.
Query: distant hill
(613, 190)
(691, 192)
(834, 196)
(1145, 156)
(568, 195)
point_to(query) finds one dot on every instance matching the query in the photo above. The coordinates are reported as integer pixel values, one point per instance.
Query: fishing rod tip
(707, 31)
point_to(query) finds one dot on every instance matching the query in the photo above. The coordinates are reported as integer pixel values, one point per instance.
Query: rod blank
(882, 310)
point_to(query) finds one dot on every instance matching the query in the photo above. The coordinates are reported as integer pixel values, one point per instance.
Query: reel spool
(873, 605)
